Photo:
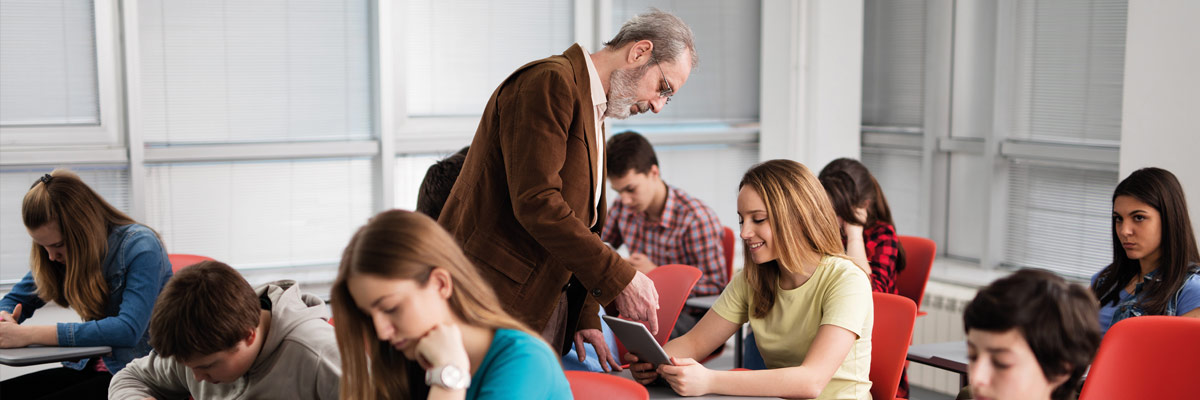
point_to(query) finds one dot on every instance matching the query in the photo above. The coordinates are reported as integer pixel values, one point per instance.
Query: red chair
(727, 242)
(894, 319)
(598, 386)
(1148, 357)
(918, 259)
(178, 261)
(674, 283)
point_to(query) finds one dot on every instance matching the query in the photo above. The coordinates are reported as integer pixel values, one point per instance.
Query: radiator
(944, 304)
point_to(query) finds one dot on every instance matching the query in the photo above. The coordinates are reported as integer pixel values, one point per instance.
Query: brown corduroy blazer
(523, 205)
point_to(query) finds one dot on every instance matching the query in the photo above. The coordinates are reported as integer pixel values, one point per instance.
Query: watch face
(453, 378)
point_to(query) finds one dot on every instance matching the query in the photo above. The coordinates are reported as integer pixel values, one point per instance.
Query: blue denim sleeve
(25, 294)
(1189, 296)
(145, 260)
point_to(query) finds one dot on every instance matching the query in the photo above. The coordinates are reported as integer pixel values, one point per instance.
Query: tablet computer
(638, 340)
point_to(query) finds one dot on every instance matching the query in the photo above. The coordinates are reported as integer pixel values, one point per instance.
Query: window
(238, 72)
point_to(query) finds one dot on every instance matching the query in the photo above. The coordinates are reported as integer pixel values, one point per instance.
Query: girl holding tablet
(808, 304)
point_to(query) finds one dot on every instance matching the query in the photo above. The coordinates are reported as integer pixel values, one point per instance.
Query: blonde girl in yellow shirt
(808, 304)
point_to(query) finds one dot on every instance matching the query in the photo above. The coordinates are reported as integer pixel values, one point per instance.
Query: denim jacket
(136, 268)
(1130, 306)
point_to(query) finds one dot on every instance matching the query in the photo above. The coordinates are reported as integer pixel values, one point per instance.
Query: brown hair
(1177, 249)
(439, 180)
(84, 219)
(863, 186)
(204, 309)
(801, 220)
(399, 244)
(1059, 320)
(629, 151)
(848, 183)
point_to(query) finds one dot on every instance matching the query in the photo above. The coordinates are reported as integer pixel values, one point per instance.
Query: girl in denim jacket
(1156, 267)
(91, 257)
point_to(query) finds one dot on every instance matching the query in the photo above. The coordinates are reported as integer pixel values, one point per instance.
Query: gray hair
(671, 37)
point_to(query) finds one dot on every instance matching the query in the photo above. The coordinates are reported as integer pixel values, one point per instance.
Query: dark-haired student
(866, 221)
(661, 224)
(215, 337)
(1030, 336)
(1156, 267)
(439, 180)
(95, 259)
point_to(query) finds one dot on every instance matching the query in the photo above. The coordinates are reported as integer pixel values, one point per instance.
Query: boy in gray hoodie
(215, 337)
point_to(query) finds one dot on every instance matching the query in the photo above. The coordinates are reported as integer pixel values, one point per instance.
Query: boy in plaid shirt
(660, 224)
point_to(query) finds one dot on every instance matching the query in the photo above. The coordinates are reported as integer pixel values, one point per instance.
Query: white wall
(811, 98)
(1162, 82)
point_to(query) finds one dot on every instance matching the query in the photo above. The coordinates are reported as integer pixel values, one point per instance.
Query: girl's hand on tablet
(687, 377)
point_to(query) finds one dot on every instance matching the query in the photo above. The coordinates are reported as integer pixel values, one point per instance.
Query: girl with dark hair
(1030, 336)
(1156, 268)
(91, 257)
(866, 221)
(409, 304)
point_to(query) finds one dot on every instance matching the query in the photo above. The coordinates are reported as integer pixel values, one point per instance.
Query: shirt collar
(598, 95)
(668, 213)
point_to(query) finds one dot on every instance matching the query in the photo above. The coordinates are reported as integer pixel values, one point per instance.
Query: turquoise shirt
(519, 366)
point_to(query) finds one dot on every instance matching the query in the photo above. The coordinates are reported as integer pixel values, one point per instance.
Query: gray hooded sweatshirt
(299, 359)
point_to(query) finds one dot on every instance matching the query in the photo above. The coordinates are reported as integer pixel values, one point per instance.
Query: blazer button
(596, 292)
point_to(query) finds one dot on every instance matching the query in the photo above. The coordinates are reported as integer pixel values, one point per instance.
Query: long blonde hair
(801, 220)
(400, 244)
(84, 219)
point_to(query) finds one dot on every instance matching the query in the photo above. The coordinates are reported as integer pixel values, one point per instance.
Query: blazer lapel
(583, 82)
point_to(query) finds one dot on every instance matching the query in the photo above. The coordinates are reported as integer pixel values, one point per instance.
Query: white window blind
(49, 71)
(898, 174)
(237, 71)
(1070, 63)
(110, 182)
(725, 85)
(260, 214)
(1059, 218)
(894, 63)
(458, 52)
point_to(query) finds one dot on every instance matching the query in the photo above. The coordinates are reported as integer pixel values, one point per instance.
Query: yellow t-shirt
(838, 293)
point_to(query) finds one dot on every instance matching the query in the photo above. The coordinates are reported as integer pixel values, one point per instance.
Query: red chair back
(894, 319)
(598, 386)
(918, 259)
(674, 283)
(727, 242)
(178, 261)
(1148, 357)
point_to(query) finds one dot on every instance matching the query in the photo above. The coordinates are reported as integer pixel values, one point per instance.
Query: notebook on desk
(33, 355)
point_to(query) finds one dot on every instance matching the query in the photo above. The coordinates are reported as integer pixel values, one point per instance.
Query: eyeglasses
(668, 92)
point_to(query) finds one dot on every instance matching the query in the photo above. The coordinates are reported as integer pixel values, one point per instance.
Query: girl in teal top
(405, 288)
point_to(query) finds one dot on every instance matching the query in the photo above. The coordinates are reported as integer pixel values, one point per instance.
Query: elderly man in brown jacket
(529, 202)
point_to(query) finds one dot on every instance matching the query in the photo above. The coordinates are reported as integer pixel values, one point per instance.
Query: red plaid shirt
(689, 233)
(883, 251)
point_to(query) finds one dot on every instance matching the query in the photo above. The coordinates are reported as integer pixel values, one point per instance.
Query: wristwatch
(448, 376)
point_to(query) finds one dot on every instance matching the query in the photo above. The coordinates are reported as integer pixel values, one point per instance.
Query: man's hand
(596, 338)
(641, 263)
(639, 301)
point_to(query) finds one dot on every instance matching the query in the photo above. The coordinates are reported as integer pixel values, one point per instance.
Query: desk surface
(950, 356)
(665, 392)
(33, 355)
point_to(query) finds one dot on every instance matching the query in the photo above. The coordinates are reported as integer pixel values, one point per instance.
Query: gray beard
(622, 88)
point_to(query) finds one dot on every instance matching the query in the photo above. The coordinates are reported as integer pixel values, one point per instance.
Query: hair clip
(45, 179)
